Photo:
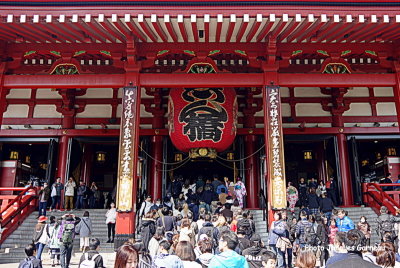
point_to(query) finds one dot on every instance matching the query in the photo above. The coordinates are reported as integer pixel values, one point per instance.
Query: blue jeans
(79, 202)
(39, 249)
(42, 208)
(56, 202)
(65, 254)
(280, 255)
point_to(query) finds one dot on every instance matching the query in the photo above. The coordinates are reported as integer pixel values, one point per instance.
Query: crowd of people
(204, 224)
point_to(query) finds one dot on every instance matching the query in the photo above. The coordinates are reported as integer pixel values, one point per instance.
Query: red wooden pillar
(63, 158)
(87, 162)
(127, 186)
(396, 91)
(320, 157)
(3, 93)
(252, 180)
(155, 189)
(345, 175)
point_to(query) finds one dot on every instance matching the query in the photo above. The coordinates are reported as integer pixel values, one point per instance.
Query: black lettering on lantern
(204, 115)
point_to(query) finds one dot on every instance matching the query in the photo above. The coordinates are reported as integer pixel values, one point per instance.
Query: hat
(203, 237)
(255, 238)
(42, 219)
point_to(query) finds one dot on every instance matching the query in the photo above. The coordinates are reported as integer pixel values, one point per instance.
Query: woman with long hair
(147, 228)
(184, 250)
(306, 259)
(126, 257)
(186, 230)
(158, 236)
(386, 255)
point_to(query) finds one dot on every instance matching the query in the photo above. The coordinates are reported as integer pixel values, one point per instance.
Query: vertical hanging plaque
(127, 150)
(276, 165)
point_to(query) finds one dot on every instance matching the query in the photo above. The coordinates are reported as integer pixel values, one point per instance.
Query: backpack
(310, 237)
(68, 234)
(37, 234)
(28, 263)
(89, 263)
(246, 226)
(209, 231)
(387, 226)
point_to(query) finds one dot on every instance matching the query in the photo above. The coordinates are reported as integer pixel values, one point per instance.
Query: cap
(255, 238)
(42, 219)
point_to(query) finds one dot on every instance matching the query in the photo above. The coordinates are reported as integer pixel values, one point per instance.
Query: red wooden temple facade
(324, 73)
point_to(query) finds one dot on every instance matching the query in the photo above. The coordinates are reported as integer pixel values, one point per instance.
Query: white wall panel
(19, 93)
(96, 111)
(286, 109)
(284, 92)
(308, 92)
(359, 109)
(383, 91)
(386, 108)
(46, 111)
(358, 92)
(47, 93)
(92, 93)
(16, 111)
(310, 109)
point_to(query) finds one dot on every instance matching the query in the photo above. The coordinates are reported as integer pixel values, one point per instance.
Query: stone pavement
(108, 261)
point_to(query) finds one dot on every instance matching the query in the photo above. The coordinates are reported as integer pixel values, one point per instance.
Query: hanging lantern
(308, 155)
(178, 157)
(14, 155)
(101, 157)
(391, 151)
(202, 121)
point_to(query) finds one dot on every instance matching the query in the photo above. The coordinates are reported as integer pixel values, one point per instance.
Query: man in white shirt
(69, 193)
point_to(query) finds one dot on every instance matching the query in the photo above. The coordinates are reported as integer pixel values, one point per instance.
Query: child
(333, 229)
(365, 228)
(268, 260)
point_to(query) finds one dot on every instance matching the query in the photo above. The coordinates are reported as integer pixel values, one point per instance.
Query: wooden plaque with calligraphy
(275, 152)
(127, 149)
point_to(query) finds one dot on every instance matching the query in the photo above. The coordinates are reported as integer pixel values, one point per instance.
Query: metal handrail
(265, 217)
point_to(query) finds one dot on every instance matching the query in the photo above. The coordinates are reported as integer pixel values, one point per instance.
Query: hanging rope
(187, 160)
(244, 158)
(222, 164)
(162, 162)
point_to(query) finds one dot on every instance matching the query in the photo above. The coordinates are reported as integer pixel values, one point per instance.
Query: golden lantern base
(203, 152)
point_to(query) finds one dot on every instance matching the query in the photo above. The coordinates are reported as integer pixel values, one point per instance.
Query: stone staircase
(12, 250)
(356, 212)
(261, 225)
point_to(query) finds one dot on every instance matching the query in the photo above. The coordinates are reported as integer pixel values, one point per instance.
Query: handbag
(283, 243)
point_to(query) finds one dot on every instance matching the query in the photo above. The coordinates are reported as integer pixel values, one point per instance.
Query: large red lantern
(202, 118)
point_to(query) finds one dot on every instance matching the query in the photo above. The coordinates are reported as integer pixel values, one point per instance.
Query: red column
(252, 180)
(3, 93)
(396, 91)
(87, 161)
(320, 157)
(62, 158)
(347, 192)
(155, 189)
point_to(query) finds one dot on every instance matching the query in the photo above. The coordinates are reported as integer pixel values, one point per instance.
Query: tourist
(254, 253)
(209, 229)
(44, 195)
(205, 247)
(386, 255)
(235, 208)
(167, 221)
(227, 212)
(387, 179)
(144, 257)
(365, 228)
(186, 230)
(303, 192)
(222, 195)
(154, 242)
(146, 206)
(175, 187)
(56, 191)
(354, 241)
(184, 250)
(278, 229)
(111, 217)
(331, 188)
(54, 242)
(333, 229)
(344, 223)
(166, 260)
(322, 234)
(69, 194)
(66, 234)
(312, 183)
(313, 202)
(81, 195)
(147, 228)
(92, 255)
(84, 228)
(292, 196)
(326, 206)
(320, 189)
(94, 197)
(268, 260)
(243, 241)
(41, 236)
(386, 222)
(30, 261)
(240, 191)
(247, 225)
(301, 229)
(228, 257)
(221, 187)
(156, 204)
(306, 259)
(126, 257)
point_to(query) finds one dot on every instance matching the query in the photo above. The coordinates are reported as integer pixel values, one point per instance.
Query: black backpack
(387, 226)
(310, 237)
(209, 231)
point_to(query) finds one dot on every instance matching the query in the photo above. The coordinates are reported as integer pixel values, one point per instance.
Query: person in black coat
(147, 228)
(302, 192)
(209, 195)
(326, 206)
(313, 202)
(322, 234)
(331, 187)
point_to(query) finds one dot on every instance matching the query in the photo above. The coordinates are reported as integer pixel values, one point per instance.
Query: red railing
(15, 208)
(375, 197)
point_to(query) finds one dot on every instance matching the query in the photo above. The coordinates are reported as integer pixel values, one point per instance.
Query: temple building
(129, 94)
